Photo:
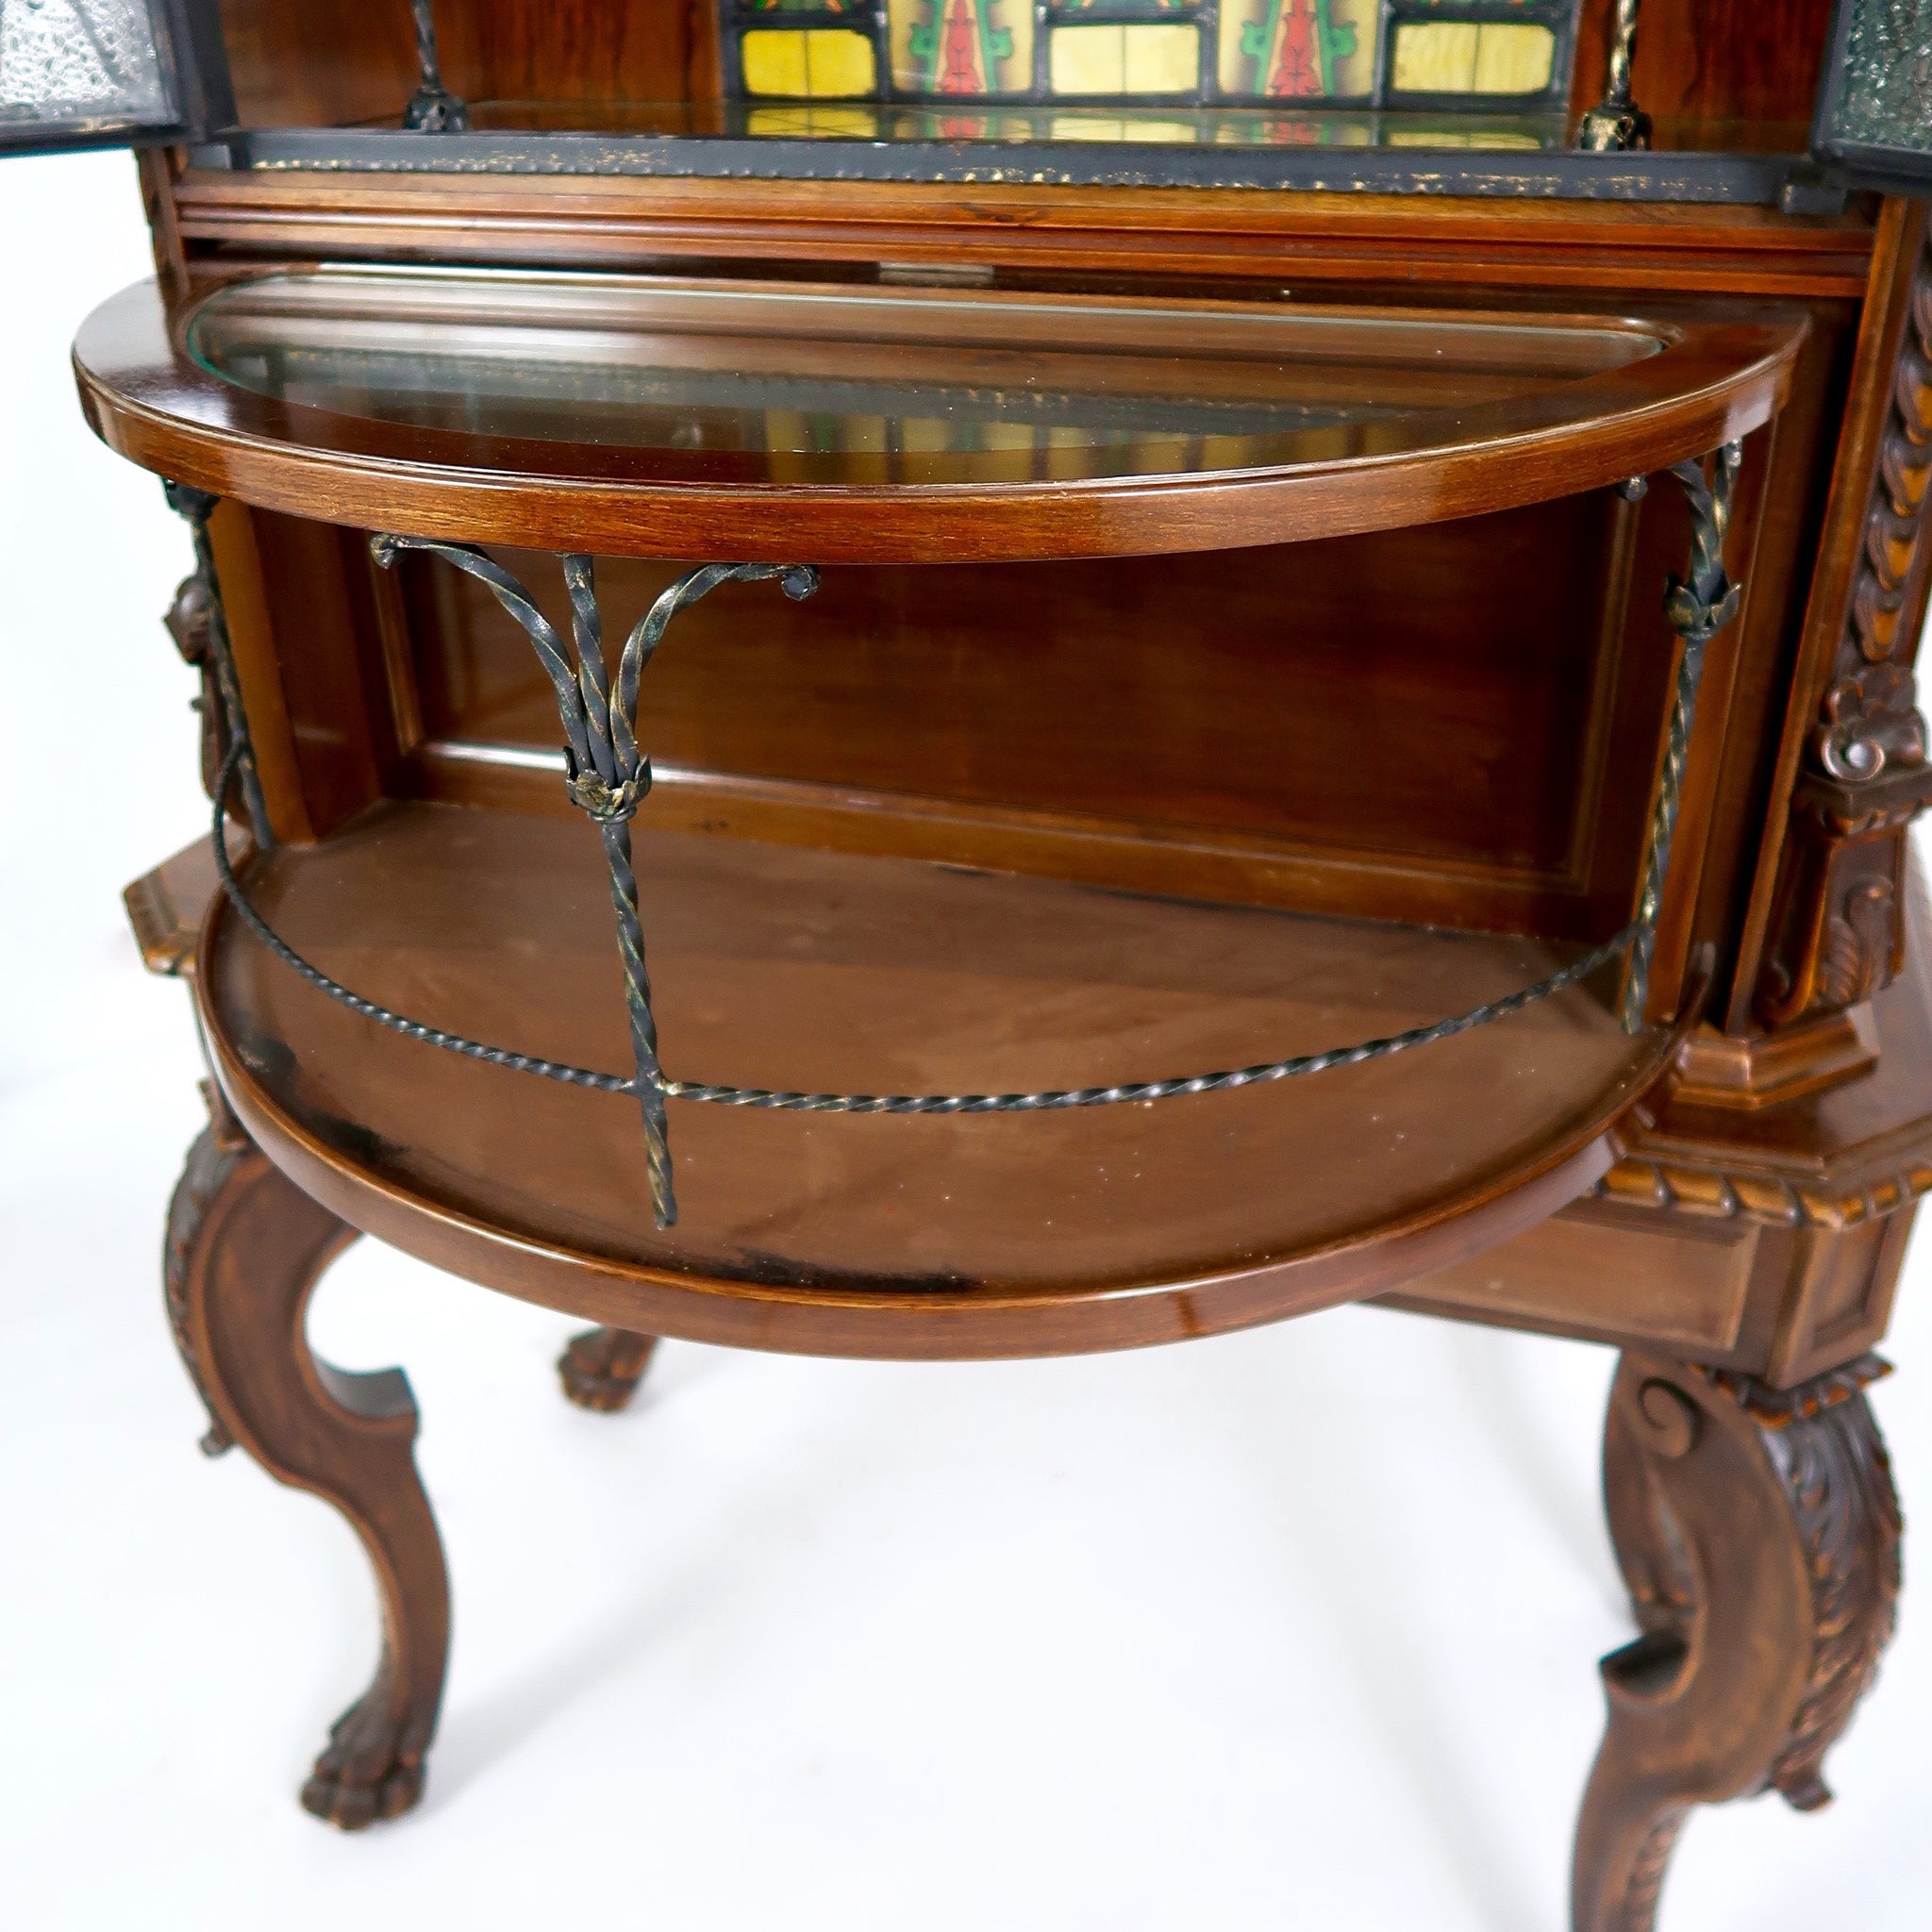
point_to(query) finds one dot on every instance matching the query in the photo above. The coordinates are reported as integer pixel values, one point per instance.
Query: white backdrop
(1295, 1628)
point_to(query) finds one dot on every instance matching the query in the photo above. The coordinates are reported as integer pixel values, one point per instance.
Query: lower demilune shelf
(885, 1235)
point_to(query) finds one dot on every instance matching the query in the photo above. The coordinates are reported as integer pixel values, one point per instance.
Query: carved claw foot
(372, 1768)
(246, 1248)
(1759, 1532)
(601, 1367)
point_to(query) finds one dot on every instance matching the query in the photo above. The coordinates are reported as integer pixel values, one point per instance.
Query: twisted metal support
(1617, 124)
(1698, 606)
(607, 775)
(195, 506)
(432, 109)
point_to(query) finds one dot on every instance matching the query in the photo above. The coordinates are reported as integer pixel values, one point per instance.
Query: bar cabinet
(1260, 656)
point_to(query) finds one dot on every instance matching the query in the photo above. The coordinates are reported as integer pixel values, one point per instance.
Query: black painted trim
(1757, 179)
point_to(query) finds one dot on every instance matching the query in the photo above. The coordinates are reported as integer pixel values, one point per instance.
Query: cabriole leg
(1759, 1532)
(601, 1367)
(245, 1248)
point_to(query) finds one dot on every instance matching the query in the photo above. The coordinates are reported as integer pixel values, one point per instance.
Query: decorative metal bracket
(200, 627)
(1698, 606)
(432, 109)
(605, 773)
(1617, 124)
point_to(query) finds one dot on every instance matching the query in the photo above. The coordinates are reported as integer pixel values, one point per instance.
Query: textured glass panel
(808, 62)
(962, 47)
(1124, 59)
(1298, 49)
(1886, 96)
(66, 60)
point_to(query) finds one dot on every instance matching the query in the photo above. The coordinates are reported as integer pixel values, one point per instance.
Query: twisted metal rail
(1698, 607)
(608, 777)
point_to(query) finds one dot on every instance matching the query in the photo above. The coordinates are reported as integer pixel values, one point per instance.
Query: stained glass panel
(966, 47)
(1437, 54)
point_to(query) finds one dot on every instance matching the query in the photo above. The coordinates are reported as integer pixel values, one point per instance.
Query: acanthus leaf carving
(1836, 929)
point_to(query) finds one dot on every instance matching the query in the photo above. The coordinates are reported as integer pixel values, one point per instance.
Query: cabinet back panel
(1436, 697)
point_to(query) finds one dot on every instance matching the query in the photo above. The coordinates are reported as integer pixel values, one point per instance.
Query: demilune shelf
(830, 424)
(891, 1235)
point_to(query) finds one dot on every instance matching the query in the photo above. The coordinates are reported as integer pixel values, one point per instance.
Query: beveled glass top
(884, 377)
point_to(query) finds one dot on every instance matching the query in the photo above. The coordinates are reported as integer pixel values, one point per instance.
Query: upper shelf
(754, 420)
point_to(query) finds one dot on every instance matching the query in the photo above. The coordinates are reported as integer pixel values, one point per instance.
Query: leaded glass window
(1437, 55)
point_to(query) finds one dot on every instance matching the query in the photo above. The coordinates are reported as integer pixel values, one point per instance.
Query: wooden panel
(302, 63)
(258, 669)
(1702, 63)
(1394, 241)
(1609, 1272)
(306, 63)
(1433, 700)
(319, 634)
(1840, 1297)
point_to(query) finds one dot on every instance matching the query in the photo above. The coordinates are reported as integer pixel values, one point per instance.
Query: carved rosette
(1837, 927)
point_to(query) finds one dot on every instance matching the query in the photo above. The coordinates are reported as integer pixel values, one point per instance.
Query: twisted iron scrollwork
(605, 773)
(608, 777)
(1698, 605)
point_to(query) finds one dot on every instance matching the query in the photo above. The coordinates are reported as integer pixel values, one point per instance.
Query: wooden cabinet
(944, 678)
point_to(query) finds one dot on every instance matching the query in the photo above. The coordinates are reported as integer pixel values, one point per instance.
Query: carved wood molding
(211, 1164)
(1713, 1191)
(1837, 924)
(1777, 1409)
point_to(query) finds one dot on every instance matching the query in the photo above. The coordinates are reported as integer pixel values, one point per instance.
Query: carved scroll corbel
(1837, 933)
(1759, 1532)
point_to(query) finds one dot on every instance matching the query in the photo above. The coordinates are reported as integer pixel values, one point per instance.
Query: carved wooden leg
(245, 1249)
(1759, 1531)
(601, 1367)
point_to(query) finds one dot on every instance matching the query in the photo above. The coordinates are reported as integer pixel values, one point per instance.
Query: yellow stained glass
(798, 124)
(1442, 57)
(1436, 57)
(809, 62)
(1514, 58)
(1112, 127)
(1140, 59)
(1435, 137)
